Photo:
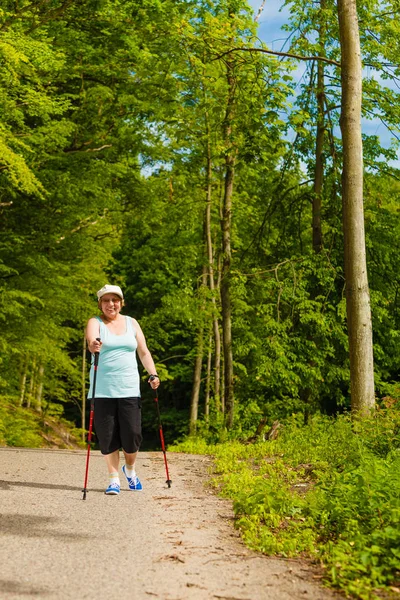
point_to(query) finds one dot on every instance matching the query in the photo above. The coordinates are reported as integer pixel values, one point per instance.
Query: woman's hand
(154, 381)
(95, 345)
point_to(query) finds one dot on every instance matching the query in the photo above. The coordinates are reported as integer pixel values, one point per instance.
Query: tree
(358, 307)
(70, 132)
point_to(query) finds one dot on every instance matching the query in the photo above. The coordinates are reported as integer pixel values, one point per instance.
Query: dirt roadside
(173, 543)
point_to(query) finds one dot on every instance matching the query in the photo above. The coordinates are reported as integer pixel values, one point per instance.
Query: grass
(329, 491)
(25, 428)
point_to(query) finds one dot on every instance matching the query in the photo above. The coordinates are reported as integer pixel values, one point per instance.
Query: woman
(117, 411)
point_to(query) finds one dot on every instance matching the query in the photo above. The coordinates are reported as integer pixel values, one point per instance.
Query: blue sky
(270, 22)
(269, 31)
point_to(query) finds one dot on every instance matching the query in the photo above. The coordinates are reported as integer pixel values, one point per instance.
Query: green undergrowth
(25, 428)
(329, 490)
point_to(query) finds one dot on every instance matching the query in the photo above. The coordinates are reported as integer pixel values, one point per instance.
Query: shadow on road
(36, 526)
(22, 589)
(7, 485)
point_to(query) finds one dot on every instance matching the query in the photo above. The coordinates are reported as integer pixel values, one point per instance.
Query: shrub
(329, 489)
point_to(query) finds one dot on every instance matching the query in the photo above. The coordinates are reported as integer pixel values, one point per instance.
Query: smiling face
(110, 305)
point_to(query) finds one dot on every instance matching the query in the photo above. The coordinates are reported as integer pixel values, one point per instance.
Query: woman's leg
(112, 461)
(107, 430)
(129, 416)
(129, 471)
(130, 459)
(130, 427)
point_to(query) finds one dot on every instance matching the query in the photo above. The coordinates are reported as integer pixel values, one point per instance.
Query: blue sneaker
(113, 489)
(133, 482)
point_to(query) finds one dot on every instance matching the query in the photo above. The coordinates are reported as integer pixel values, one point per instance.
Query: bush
(330, 489)
(18, 427)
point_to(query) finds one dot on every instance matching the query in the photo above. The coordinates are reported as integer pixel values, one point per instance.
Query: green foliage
(68, 164)
(359, 516)
(18, 427)
(328, 490)
(109, 113)
(193, 445)
(113, 144)
(25, 428)
(293, 335)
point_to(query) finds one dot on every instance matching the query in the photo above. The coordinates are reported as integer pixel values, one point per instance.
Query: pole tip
(169, 482)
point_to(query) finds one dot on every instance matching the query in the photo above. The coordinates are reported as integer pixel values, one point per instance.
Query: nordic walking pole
(168, 482)
(95, 365)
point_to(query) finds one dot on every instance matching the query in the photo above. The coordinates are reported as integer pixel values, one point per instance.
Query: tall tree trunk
(319, 146)
(39, 390)
(208, 381)
(230, 159)
(222, 381)
(194, 400)
(83, 398)
(210, 258)
(22, 380)
(357, 291)
(221, 364)
(31, 383)
(217, 366)
(308, 393)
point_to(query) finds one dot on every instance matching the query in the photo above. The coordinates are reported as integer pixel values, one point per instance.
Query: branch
(98, 149)
(383, 14)
(82, 225)
(259, 11)
(330, 108)
(52, 14)
(388, 127)
(379, 65)
(89, 149)
(286, 54)
(269, 211)
(378, 168)
(174, 356)
(271, 270)
(18, 13)
(32, 9)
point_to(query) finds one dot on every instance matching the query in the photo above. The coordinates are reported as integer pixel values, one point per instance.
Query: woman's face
(110, 305)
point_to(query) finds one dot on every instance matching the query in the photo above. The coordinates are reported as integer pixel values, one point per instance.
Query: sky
(269, 31)
(270, 22)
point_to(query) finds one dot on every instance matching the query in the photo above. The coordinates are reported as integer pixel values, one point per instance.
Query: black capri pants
(118, 424)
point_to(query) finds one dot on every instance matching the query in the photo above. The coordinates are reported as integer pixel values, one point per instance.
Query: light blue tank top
(117, 371)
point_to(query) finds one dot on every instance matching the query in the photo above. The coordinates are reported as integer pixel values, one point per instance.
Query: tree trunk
(357, 291)
(222, 388)
(208, 381)
(230, 159)
(210, 258)
(39, 390)
(218, 366)
(226, 304)
(22, 380)
(194, 400)
(319, 146)
(31, 384)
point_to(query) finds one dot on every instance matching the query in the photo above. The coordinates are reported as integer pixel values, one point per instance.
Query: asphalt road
(174, 543)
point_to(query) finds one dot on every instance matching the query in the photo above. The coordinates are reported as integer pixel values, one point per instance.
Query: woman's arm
(144, 354)
(93, 332)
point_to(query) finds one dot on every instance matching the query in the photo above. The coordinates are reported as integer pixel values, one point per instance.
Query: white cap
(110, 289)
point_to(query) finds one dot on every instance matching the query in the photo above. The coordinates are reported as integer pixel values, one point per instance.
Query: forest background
(146, 144)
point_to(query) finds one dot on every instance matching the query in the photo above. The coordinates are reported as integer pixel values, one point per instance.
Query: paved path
(173, 543)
